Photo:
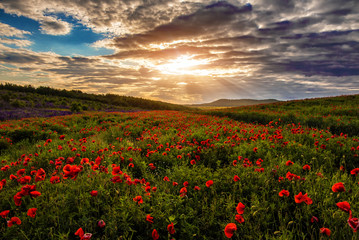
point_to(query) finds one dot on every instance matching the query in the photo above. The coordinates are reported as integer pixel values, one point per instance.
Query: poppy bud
(101, 223)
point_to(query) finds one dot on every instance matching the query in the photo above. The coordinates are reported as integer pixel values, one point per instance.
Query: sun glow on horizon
(183, 65)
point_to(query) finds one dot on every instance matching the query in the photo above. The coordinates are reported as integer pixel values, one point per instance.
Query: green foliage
(108, 101)
(190, 149)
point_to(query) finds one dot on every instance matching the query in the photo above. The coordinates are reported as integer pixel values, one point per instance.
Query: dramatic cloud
(195, 50)
(8, 31)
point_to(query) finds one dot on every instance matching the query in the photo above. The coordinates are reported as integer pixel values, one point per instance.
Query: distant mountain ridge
(235, 102)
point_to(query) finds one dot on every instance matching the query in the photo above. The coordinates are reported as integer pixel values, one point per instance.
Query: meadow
(278, 171)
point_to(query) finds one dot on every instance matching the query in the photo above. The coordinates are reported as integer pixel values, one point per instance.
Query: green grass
(221, 147)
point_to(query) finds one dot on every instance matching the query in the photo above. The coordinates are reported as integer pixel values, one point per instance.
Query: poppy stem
(24, 234)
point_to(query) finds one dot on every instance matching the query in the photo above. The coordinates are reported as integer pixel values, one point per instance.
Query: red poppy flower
(101, 223)
(54, 179)
(230, 229)
(240, 208)
(289, 162)
(40, 175)
(303, 198)
(17, 198)
(284, 193)
(193, 162)
(185, 184)
(166, 179)
(325, 231)
(338, 187)
(306, 167)
(155, 235)
(20, 172)
(13, 220)
(4, 214)
(138, 199)
(236, 178)
(171, 228)
(197, 188)
(239, 218)
(80, 232)
(149, 218)
(209, 183)
(355, 171)
(345, 206)
(35, 194)
(116, 179)
(314, 219)
(94, 193)
(152, 166)
(32, 212)
(183, 191)
(354, 223)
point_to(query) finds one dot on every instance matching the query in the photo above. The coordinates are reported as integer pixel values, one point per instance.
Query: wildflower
(101, 223)
(183, 191)
(155, 235)
(338, 187)
(353, 223)
(138, 199)
(306, 167)
(35, 194)
(166, 179)
(13, 220)
(240, 208)
(185, 184)
(236, 178)
(20, 172)
(284, 193)
(4, 214)
(32, 212)
(149, 218)
(355, 171)
(289, 162)
(94, 193)
(239, 218)
(325, 231)
(314, 219)
(54, 179)
(229, 230)
(193, 162)
(303, 198)
(171, 228)
(209, 183)
(152, 166)
(80, 232)
(197, 188)
(344, 206)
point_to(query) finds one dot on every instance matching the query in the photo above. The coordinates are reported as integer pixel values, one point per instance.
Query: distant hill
(234, 102)
(18, 101)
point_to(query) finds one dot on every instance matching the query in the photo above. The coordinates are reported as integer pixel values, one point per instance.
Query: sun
(184, 64)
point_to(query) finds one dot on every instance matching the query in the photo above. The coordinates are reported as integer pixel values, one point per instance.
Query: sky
(183, 52)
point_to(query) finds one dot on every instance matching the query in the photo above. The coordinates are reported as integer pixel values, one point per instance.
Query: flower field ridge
(175, 175)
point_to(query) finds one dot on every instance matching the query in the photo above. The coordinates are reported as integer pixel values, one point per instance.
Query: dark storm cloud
(203, 23)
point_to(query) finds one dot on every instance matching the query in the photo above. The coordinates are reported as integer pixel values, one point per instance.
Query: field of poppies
(179, 175)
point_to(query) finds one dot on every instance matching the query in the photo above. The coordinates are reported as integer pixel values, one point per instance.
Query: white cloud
(16, 42)
(9, 31)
